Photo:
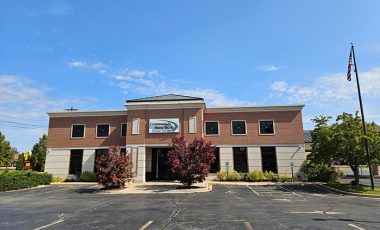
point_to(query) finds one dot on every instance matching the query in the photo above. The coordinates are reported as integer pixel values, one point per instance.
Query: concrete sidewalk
(160, 187)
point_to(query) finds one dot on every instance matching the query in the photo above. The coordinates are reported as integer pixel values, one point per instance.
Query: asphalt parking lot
(226, 207)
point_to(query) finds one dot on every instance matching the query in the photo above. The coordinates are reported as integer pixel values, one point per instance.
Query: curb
(72, 183)
(348, 193)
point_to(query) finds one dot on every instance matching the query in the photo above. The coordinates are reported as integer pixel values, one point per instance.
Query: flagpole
(363, 120)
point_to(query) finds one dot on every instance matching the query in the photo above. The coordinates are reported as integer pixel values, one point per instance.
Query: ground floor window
(98, 153)
(240, 159)
(269, 159)
(215, 166)
(76, 160)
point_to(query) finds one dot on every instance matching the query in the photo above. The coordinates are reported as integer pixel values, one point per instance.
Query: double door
(160, 164)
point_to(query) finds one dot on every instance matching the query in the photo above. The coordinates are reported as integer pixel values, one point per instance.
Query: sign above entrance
(164, 125)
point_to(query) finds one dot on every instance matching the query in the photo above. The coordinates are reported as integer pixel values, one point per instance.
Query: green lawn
(364, 189)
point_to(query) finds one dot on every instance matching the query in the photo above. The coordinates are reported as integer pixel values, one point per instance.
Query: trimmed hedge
(12, 180)
(252, 176)
(88, 177)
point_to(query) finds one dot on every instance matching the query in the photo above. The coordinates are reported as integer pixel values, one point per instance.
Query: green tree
(20, 162)
(344, 141)
(6, 151)
(39, 154)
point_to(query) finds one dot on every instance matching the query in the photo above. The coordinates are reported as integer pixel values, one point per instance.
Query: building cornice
(88, 113)
(165, 105)
(254, 109)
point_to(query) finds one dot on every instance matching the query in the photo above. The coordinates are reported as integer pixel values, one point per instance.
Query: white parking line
(253, 190)
(146, 225)
(290, 191)
(51, 224)
(357, 227)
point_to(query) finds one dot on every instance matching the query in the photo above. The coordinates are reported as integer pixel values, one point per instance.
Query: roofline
(254, 108)
(87, 113)
(151, 100)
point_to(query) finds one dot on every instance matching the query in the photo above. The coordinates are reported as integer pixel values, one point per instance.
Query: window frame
(96, 129)
(195, 124)
(205, 129)
(267, 134)
(84, 131)
(138, 125)
(245, 125)
(121, 129)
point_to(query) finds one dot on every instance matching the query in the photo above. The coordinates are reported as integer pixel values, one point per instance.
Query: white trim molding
(84, 132)
(254, 109)
(245, 125)
(211, 135)
(267, 134)
(96, 129)
(88, 113)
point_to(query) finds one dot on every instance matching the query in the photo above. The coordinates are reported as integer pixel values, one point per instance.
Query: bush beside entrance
(253, 176)
(12, 180)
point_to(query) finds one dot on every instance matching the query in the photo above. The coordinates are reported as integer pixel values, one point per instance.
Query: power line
(22, 127)
(19, 123)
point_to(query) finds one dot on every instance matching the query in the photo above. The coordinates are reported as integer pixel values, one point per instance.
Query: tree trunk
(355, 170)
(189, 184)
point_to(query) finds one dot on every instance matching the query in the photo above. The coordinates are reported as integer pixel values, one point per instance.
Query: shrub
(320, 172)
(282, 179)
(88, 177)
(221, 175)
(270, 176)
(233, 176)
(190, 162)
(114, 168)
(12, 180)
(256, 176)
(57, 179)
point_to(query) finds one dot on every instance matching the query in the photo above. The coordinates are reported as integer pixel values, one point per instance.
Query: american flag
(349, 67)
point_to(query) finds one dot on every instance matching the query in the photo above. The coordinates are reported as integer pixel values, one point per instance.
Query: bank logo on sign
(170, 125)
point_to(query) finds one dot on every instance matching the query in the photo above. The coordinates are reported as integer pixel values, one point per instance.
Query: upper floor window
(212, 127)
(123, 129)
(77, 131)
(266, 127)
(102, 130)
(238, 128)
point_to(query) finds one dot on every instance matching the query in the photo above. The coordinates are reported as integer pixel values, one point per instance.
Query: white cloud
(78, 64)
(97, 66)
(158, 86)
(332, 94)
(59, 9)
(268, 68)
(24, 101)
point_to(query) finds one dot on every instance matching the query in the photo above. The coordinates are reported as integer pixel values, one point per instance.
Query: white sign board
(164, 125)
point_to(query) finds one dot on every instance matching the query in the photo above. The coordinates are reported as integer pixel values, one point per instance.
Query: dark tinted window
(76, 159)
(98, 153)
(102, 130)
(266, 127)
(238, 127)
(77, 131)
(215, 166)
(123, 130)
(212, 128)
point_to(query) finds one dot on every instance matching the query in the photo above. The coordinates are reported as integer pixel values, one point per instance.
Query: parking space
(226, 207)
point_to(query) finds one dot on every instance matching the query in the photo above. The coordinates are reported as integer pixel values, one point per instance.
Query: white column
(226, 157)
(57, 162)
(141, 157)
(254, 158)
(88, 160)
(285, 155)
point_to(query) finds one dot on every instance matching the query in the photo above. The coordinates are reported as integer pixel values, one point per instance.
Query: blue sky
(95, 55)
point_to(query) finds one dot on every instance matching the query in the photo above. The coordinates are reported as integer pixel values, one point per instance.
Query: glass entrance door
(160, 164)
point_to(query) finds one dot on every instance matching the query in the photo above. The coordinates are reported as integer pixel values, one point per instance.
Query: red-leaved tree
(190, 162)
(114, 168)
